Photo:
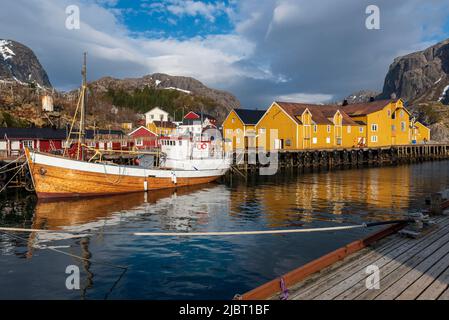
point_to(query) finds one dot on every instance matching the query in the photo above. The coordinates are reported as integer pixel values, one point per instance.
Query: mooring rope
(212, 233)
(12, 178)
(12, 162)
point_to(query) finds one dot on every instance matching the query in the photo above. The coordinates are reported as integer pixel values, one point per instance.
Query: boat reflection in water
(174, 210)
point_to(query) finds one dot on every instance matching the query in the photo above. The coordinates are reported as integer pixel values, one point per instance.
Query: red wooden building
(13, 140)
(144, 138)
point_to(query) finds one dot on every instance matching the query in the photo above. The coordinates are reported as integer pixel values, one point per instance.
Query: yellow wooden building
(239, 128)
(299, 126)
(420, 133)
(162, 128)
(295, 126)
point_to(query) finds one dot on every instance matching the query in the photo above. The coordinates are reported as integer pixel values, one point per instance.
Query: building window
(139, 142)
(262, 131)
(328, 128)
(152, 116)
(91, 144)
(361, 129)
(288, 142)
(339, 141)
(389, 112)
(233, 120)
(349, 129)
(374, 127)
(403, 126)
(314, 140)
(28, 144)
(402, 113)
(315, 128)
(124, 143)
(393, 127)
(373, 138)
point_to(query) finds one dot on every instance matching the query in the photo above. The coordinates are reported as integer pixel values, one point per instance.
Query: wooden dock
(408, 269)
(249, 160)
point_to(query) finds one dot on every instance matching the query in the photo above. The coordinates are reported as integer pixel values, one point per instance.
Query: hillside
(172, 93)
(23, 81)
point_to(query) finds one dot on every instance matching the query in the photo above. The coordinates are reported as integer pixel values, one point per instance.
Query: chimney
(371, 99)
(393, 96)
(345, 102)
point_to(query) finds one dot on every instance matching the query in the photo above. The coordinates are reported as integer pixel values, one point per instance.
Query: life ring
(203, 146)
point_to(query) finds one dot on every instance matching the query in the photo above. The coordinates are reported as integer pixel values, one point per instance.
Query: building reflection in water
(298, 198)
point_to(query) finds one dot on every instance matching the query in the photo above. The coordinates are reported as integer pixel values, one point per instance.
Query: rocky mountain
(160, 81)
(18, 63)
(361, 96)
(420, 76)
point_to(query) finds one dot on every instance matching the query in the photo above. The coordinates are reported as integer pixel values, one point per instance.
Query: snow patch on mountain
(445, 92)
(178, 89)
(5, 50)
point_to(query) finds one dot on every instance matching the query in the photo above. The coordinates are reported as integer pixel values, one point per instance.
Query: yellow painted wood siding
(286, 128)
(234, 130)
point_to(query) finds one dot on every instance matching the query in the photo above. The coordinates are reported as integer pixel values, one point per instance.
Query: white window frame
(374, 138)
(360, 129)
(348, 130)
(374, 127)
(328, 128)
(314, 140)
(139, 142)
(328, 140)
(28, 143)
(403, 126)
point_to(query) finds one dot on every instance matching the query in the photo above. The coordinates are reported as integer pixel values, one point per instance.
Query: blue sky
(260, 50)
(156, 19)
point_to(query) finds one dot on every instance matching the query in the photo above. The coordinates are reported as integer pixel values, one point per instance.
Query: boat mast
(82, 129)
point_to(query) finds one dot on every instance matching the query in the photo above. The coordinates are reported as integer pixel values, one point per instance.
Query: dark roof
(90, 133)
(249, 116)
(321, 114)
(50, 133)
(33, 133)
(362, 109)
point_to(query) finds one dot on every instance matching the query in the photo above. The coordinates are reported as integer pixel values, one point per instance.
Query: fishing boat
(182, 161)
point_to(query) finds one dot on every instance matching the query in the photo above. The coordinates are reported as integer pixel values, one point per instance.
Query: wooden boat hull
(58, 177)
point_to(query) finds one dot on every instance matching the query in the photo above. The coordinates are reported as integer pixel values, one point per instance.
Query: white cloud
(277, 46)
(197, 8)
(305, 97)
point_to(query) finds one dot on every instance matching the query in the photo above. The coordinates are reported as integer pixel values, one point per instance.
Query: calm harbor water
(200, 267)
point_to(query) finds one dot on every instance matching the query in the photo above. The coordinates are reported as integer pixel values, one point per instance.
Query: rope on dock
(213, 233)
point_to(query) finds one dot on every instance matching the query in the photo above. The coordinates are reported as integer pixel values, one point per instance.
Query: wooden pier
(249, 160)
(406, 268)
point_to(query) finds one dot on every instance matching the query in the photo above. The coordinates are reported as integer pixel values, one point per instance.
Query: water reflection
(203, 267)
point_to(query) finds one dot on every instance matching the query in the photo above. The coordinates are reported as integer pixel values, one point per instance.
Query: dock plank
(398, 266)
(418, 287)
(326, 276)
(346, 280)
(437, 288)
(388, 262)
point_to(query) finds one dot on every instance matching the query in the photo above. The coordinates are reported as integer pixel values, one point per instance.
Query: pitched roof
(165, 124)
(249, 116)
(33, 133)
(321, 114)
(361, 109)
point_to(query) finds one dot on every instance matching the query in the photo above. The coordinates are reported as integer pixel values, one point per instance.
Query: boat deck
(409, 269)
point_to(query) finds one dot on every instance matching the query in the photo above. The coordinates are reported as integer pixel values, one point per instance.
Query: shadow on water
(201, 267)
